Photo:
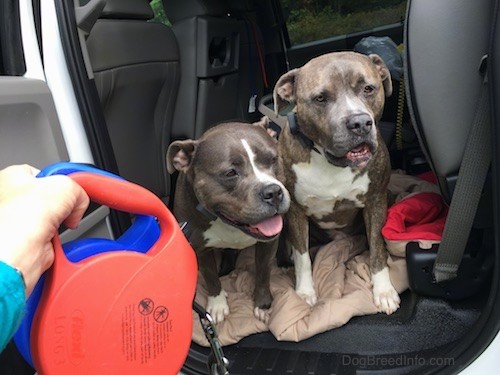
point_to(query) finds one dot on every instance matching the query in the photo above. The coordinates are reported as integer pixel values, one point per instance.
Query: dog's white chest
(320, 185)
(222, 235)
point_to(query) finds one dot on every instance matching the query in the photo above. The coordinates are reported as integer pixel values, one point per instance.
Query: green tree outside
(159, 12)
(311, 20)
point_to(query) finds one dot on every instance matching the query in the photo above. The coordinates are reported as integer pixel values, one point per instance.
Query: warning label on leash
(145, 329)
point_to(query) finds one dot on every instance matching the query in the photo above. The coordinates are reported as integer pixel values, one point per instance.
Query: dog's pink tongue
(270, 227)
(362, 147)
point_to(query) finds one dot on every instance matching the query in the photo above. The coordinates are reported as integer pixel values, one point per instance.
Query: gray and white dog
(230, 192)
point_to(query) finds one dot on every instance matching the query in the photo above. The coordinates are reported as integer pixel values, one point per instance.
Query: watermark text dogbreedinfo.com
(398, 361)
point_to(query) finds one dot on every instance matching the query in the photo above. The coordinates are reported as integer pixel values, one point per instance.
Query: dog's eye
(368, 89)
(320, 98)
(274, 159)
(231, 173)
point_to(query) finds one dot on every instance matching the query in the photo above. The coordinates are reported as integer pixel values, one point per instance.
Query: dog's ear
(264, 124)
(384, 72)
(180, 154)
(284, 90)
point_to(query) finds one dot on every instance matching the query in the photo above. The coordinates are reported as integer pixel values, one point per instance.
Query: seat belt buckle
(472, 274)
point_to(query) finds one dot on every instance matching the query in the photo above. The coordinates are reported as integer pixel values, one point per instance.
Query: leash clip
(217, 363)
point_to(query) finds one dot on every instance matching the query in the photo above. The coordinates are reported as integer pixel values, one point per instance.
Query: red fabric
(419, 217)
(429, 177)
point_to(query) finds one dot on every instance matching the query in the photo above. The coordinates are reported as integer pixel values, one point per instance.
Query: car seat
(445, 45)
(136, 69)
(442, 72)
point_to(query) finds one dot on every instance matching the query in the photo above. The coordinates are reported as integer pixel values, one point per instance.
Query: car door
(40, 122)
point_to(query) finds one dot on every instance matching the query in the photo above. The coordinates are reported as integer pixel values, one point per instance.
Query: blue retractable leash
(141, 235)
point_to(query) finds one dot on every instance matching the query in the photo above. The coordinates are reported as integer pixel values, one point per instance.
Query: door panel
(30, 133)
(29, 128)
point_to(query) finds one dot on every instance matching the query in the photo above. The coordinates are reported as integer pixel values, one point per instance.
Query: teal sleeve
(12, 302)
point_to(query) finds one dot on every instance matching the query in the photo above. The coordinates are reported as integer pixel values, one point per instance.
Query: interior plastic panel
(208, 93)
(29, 128)
(218, 46)
(218, 95)
(30, 133)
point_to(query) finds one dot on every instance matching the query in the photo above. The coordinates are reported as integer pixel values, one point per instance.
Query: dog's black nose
(272, 194)
(359, 124)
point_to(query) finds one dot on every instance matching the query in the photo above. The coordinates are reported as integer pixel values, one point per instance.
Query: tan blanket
(342, 279)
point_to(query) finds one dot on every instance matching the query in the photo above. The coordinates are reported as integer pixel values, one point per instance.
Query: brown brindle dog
(336, 163)
(230, 193)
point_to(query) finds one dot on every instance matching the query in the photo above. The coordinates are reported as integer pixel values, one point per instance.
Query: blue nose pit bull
(230, 193)
(336, 163)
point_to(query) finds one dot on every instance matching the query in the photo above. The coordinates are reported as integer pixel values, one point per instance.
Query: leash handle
(121, 195)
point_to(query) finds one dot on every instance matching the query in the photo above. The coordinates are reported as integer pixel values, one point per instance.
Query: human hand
(31, 211)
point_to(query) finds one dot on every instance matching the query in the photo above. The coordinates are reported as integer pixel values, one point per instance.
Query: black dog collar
(209, 215)
(295, 130)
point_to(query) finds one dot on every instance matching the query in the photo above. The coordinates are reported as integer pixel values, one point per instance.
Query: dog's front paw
(304, 284)
(261, 314)
(387, 301)
(385, 297)
(308, 295)
(262, 301)
(217, 307)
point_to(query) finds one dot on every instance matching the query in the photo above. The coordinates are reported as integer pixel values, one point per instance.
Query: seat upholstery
(136, 70)
(444, 43)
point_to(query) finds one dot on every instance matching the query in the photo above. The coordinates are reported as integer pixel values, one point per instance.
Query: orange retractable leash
(118, 312)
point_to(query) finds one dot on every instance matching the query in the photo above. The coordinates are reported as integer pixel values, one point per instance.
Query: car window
(311, 20)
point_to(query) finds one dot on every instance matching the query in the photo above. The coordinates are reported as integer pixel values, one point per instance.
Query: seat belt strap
(470, 183)
(278, 119)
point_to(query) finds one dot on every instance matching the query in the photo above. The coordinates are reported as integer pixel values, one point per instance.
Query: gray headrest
(178, 10)
(128, 9)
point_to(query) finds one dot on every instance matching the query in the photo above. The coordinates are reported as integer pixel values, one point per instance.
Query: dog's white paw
(308, 295)
(217, 307)
(385, 297)
(387, 301)
(261, 314)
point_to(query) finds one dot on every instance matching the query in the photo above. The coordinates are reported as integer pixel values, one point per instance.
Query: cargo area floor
(420, 326)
